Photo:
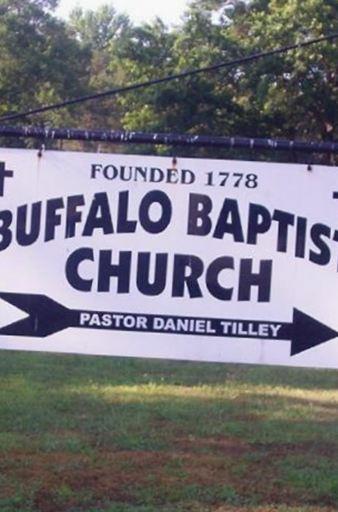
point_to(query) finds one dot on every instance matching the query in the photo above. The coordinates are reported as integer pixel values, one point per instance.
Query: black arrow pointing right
(47, 317)
(306, 332)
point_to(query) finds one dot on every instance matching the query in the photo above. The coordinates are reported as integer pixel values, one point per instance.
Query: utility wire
(169, 78)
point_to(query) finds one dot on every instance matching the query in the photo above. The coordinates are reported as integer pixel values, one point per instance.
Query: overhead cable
(169, 78)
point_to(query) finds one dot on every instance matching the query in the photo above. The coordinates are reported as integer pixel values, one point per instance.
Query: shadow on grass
(80, 430)
(55, 368)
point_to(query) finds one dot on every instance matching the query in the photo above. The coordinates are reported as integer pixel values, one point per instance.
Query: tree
(39, 62)
(98, 29)
(295, 94)
(99, 33)
(200, 104)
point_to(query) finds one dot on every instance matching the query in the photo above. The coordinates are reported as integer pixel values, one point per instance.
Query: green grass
(116, 435)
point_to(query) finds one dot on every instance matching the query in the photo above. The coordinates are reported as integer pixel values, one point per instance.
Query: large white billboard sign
(209, 260)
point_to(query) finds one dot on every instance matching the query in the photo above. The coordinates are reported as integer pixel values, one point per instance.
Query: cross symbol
(4, 174)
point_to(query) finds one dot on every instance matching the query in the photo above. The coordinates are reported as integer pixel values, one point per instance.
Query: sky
(138, 10)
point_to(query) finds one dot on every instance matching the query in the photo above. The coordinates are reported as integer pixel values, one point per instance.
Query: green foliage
(40, 63)
(98, 29)
(294, 95)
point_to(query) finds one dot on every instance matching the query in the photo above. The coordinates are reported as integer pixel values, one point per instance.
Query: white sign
(207, 260)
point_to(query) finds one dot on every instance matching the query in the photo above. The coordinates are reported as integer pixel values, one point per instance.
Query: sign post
(207, 260)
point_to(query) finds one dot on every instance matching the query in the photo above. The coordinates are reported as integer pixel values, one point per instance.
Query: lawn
(121, 435)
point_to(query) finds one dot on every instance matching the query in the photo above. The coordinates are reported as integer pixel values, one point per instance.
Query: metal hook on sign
(309, 163)
(309, 166)
(41, 150)
(172, 176)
